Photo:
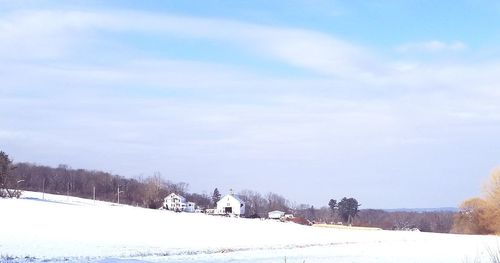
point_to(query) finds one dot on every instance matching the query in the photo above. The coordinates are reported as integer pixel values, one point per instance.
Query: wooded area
(150, 191)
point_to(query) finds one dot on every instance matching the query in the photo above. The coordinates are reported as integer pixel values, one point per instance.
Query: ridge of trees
(150, 191)
(141, 191)
(436, 221)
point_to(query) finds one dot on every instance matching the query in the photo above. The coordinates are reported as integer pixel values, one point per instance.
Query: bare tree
(255, 204)
(154, 193)
(277, 202)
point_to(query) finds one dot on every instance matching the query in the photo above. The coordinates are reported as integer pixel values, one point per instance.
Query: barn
(231, 204)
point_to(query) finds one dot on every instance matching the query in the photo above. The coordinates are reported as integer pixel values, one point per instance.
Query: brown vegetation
(481, 215)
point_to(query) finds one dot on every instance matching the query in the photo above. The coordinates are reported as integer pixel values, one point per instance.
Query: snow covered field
(62, 229)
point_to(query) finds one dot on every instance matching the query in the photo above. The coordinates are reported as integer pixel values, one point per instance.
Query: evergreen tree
(215, 196)
(8, 182)
(348, 209)
(312, 213)
(333, 206)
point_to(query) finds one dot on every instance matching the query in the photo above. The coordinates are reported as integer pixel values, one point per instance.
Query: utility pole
(93, 193)
(118, 193)
(67, 192)
(43, 189)
(17, 184)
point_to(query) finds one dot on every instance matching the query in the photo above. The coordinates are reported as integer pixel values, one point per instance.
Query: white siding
(177, 202)
(190, 207)
(232, 205)
(276, 214)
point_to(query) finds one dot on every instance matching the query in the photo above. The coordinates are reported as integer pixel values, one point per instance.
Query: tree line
(150, 191)
(146, 192)
(346, 211)
(437, 221)
(140, 191)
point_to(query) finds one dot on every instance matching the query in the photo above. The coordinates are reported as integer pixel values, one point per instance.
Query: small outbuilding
(276, 214)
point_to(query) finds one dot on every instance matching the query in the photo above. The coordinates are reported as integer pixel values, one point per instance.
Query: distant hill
(436, 209)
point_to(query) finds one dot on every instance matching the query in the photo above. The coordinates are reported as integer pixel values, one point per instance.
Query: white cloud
(431, 46)
(52, 34)
(22, 31)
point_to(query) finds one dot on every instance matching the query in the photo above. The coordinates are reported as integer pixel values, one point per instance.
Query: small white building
(276, 214)
(190, 207)
(178, 203)
(230, 204)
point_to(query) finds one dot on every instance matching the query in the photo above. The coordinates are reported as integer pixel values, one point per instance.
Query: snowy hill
(60, 228)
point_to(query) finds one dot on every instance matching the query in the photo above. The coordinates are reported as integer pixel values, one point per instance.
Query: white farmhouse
(178, 203)
(276, 214)
(230, 204)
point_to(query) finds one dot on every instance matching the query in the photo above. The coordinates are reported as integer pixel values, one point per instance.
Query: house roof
(174, 194)
(239, 199)
(233, 196)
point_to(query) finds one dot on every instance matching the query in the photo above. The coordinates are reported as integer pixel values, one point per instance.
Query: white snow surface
(68, 229)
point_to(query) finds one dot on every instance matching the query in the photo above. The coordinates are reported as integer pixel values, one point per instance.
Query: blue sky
(395, 103)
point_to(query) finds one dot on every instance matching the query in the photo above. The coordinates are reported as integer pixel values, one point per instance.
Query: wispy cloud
(51, 34)
(350, 68)
(432, 46)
